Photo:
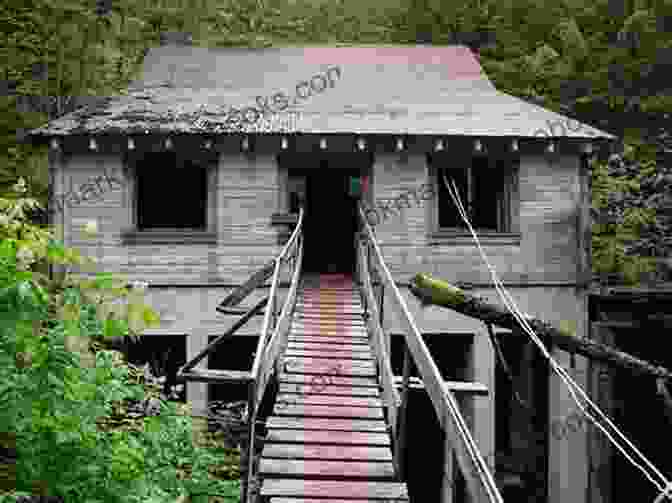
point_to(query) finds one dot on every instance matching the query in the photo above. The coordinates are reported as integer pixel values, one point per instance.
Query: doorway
(330, 220)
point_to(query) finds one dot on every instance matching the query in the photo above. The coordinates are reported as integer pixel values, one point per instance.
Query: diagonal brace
(210, 347)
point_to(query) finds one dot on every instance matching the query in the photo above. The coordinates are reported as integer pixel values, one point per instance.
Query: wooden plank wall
(248, 192)
(246, 196)
(549, 193)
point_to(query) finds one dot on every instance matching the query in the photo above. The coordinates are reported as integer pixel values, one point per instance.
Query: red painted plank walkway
(327, 439)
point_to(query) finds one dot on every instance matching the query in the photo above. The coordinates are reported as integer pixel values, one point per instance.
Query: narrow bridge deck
(327, 438)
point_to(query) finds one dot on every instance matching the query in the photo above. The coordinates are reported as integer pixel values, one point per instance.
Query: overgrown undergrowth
(58, 397)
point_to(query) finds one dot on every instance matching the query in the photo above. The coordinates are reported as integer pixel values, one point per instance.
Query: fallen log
(440, 293)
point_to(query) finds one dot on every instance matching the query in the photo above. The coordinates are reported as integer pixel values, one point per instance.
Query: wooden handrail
(479, 481)
(385, 374)
(268, 348)
(279, 337)
(274, 286)
(294, 236)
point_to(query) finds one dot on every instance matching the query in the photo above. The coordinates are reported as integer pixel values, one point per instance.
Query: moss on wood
(440, 292)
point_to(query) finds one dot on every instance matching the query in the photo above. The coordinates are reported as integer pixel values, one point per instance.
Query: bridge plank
(328, 354)
(327, 411)
(334, 315)
(326, 452)
(334, 469)
(332, 300)
(337, 401)
(329, 309)
(329, 314)
(329, 369)
(334, 489)
(337, 380)
(327, 437)
(326, 346)
(327, 390)
(343, 335)
(324, 327)
(334, 320)
(335, 365)
(298, 337)
(332, 335)
(326, 424)
(333, 307)
(325, 293)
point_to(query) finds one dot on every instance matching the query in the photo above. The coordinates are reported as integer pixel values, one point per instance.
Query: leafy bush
(51, 400)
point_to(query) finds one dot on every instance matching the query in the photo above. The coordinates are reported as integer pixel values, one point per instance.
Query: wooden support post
(481, 408)
(600, 449)
(251, 431)
(448, 477)
(399, 451)
(366, 271)
(382, 301)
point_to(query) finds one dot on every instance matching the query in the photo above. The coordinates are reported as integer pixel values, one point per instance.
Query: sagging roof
(416, 90)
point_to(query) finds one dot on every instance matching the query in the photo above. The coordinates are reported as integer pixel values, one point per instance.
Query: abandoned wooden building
(197, 202)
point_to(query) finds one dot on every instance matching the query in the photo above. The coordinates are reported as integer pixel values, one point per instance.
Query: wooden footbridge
(337, 431)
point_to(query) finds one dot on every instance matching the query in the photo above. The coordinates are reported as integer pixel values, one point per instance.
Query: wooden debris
(440, 293)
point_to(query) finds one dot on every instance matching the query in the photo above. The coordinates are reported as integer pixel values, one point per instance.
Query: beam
(213, 376)
(474, 388)
(237, 311)
(210, 347)
(256, 280)
(440, 293)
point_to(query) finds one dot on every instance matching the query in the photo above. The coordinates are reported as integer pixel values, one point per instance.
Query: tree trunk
(441, 293)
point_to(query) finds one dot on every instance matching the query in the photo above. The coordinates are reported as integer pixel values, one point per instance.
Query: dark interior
(164, 178)
(330, 221)
(488, 185)
(635, 405)
(640, 413)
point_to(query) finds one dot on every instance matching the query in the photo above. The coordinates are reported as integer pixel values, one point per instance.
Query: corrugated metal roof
(420, 90)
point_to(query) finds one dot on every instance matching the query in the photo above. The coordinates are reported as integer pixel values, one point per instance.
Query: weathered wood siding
(549, 194)
(245, 197)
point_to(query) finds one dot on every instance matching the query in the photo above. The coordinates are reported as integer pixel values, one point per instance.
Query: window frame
(133, 235)
(510, 207)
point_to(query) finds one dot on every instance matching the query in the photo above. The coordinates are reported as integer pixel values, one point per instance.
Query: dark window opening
(294, 202)
(171, 192)
(165, 354)
(484, 191)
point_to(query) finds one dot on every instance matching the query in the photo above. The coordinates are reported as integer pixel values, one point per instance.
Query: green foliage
(52, 402)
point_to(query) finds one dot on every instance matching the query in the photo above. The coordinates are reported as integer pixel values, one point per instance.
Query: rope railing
(480, 483)
(273, 337)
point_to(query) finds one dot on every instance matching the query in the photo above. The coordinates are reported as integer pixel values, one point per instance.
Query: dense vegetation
(594, 60)
(58, 396)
